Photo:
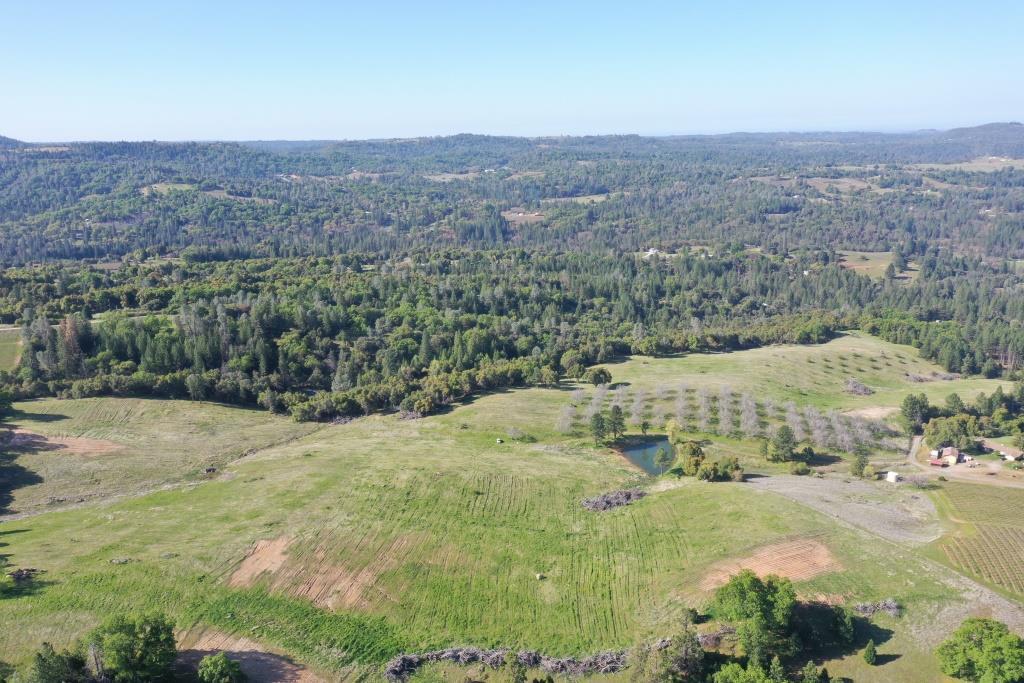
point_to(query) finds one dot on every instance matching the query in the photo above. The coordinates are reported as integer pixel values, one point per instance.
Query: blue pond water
(642, 454)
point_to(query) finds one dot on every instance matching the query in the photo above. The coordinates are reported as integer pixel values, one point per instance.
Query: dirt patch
(335, 586)
(22, 439)
(873, 412)
(899, 514)
(265, 556)
(260, 665)
(799, 560)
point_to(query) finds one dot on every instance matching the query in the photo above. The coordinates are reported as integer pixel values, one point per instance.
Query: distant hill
(990, 132)
(9, 142)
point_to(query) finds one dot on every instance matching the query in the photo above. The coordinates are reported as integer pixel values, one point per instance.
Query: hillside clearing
(68, 452)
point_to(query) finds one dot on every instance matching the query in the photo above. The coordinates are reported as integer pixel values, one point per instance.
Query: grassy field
(345, 545)
(870, 263)
(813, 375)
(68, 452)
(10, 348)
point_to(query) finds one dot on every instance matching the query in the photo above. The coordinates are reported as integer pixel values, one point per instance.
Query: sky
(222, 70)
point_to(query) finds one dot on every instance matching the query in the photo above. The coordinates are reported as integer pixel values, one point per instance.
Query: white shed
(893, 477)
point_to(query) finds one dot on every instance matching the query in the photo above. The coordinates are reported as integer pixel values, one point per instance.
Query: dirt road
(991, 473)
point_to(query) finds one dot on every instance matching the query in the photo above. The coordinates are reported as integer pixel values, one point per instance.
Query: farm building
(934, 453)
(893, 477)
(937, 462)
(952, 455)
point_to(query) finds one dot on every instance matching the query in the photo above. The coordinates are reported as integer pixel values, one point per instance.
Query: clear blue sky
(301, 70)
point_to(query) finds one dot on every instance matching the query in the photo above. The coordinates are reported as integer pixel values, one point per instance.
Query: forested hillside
(340, 278)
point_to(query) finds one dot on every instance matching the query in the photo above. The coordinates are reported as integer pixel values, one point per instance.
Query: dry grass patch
(798, 560)
(22, 439)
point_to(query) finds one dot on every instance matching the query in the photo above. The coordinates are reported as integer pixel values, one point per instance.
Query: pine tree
(870, 654)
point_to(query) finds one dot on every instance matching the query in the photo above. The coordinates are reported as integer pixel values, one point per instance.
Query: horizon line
(554, 136)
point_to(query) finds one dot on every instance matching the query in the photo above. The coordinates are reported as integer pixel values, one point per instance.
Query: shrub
(219, 669)
(799, 468)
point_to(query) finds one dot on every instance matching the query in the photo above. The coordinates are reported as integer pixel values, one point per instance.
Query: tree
(959, 430)
(983, 650)
(859, 464)
(196, 387)
(955, 404)
(598, 376)
(782, 444)
(915, 410)
(50, 666)
(734, 673)
(644, 426)
(136, 649)
(809, 674)
(572, 363)
(616, 421)
(219, 669)
(598, 428)
(765, 608)
(1018, 440)
(870, 654)
(663, 459)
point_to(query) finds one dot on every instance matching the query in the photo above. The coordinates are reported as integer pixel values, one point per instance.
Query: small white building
(893, 477)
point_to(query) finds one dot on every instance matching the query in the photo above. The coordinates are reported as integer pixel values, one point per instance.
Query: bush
(219, 669)
(799, 468)
(50, 666)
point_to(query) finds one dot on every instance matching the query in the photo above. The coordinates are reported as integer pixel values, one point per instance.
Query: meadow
(10, 347)
(69, 452)
(346, 544)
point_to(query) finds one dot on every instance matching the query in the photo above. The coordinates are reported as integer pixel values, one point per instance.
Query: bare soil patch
(873, 412)
(266, 556)
(335, 586)
(799, 560)
(897, 514)
(22, 439)
(256, 662)
(517, 216)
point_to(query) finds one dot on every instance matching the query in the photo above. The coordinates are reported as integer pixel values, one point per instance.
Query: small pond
(641, 452)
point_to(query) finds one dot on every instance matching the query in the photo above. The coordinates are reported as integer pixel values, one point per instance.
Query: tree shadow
(259, 667)
(16, 414)
(816, 626)
(13, 477)
(823, 460)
